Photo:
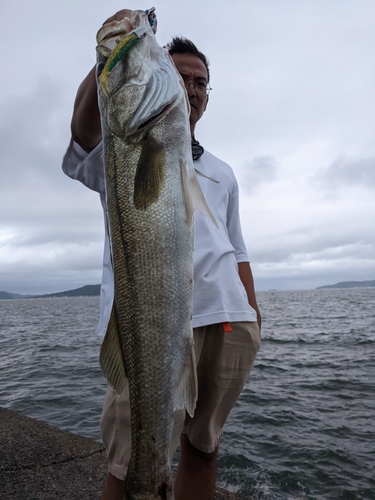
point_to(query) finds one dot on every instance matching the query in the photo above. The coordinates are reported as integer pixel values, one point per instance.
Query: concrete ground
(40, 462)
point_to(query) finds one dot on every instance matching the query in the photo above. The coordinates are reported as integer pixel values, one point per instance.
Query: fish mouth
(121, 33)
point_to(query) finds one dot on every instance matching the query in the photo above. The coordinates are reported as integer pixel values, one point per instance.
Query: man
(226, 317)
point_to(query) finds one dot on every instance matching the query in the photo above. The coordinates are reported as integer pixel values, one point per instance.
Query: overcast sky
(292, 111)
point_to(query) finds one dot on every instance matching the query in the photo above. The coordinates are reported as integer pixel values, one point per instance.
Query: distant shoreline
(94, 290)
(84, 291)
(350, 284)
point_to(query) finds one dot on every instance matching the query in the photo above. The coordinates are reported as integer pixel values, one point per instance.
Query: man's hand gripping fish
(151, 191)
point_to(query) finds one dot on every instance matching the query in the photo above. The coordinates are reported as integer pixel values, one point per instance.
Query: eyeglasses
(202, 88)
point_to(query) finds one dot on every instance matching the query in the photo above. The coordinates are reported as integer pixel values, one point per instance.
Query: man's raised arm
(85, 125)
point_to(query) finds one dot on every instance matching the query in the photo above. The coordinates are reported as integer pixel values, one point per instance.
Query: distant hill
(350, 284)
(84, 291)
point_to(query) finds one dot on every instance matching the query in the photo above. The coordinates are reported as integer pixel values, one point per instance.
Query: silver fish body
(151, 192)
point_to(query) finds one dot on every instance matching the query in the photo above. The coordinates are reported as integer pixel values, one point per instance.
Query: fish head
(137, 82)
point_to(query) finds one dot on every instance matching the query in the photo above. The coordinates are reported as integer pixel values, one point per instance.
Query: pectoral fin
(150, 174)
(111, 360)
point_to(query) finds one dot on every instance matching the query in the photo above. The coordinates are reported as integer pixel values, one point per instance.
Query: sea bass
(151, 191)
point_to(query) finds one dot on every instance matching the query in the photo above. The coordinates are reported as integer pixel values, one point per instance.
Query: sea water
(303, 427)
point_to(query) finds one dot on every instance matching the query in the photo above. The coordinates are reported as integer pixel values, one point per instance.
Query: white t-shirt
(219, 295)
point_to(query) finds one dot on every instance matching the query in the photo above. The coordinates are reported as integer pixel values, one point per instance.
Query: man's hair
(180, 45)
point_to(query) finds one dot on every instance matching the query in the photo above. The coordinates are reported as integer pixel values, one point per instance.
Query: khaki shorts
(224, 361)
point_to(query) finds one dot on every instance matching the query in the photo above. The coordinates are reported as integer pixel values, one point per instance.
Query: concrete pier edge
(40, 462)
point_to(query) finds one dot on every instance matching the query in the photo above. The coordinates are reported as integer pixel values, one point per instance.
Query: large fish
(151, 191)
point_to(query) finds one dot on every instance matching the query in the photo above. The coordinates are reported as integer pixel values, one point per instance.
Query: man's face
(192, 69)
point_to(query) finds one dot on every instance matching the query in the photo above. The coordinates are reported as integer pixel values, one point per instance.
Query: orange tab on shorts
(227, 327)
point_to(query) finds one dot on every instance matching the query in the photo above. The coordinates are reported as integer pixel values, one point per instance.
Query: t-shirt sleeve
(234, 225)
(87, 168)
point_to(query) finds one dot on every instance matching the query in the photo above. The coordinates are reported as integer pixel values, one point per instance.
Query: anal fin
(111, 360)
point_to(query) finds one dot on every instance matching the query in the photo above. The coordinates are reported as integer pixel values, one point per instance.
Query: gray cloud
(315, 244)
(32, 129)
(293, 90)
(260, 170)
(35, 195)
(347, 172)
(51, 233)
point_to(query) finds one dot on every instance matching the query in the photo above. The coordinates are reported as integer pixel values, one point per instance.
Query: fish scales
(149, 301)
(150, 185)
